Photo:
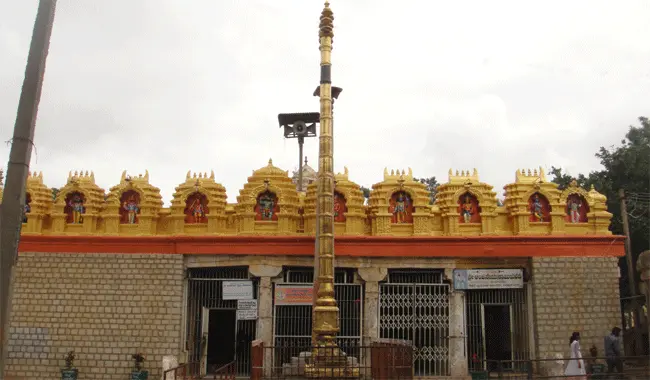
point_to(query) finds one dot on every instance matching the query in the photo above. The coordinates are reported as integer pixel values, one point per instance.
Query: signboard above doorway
(237, 290)
(469, 279)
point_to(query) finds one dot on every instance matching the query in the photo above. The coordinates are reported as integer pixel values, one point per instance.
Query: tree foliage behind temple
(626, 167)
(432, 187)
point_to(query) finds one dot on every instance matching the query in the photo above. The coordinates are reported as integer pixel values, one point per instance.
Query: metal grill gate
(204, 290)
(418, 312)
(515, 304)
(292, 324)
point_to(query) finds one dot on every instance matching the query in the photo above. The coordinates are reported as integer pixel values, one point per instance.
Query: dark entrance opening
(498, 333)
(221, 338)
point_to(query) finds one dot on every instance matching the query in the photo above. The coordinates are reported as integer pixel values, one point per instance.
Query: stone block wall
(574, 294)
(106, 307)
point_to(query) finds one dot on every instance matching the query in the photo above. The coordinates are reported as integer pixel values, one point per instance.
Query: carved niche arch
(267, 206)
(28, 206)
(340, 206)
(469, 206)
(130, 201)
(268, 186)
(400, 206)
(577, 208)
(75, 206)
(196, 207)
(577, 203)
(539, 207)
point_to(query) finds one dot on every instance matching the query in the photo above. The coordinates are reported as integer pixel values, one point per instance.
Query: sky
(171, 86)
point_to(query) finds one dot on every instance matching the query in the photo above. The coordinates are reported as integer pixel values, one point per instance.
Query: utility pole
(13, 200)
(630, 263)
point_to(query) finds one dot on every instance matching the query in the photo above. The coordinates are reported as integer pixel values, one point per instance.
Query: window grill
(293, 323)
(306, 275)
(414, 306)
(415, 276)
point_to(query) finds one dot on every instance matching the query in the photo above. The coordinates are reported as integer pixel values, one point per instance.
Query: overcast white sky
(171, 86)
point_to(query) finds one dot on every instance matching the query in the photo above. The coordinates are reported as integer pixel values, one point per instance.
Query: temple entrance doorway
(414, 306)
(219, 329)
(497, 329)
(212, 321)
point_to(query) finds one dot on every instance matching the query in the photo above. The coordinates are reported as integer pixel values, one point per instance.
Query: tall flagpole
(328, 361)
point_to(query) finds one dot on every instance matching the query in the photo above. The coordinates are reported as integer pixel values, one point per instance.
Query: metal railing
(626, 368)
(226, 372)
(185, 371)
(382, 360)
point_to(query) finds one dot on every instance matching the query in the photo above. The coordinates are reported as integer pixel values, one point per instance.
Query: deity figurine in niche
(75, 208)
(340, 207)
(266, 208)
(196, 208)
(539, 208)
(469, 209)
(28, 208)
(576, 209)
(130, 207)
(401, 206)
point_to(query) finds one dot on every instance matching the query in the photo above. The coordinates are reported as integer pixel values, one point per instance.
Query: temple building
(309, 175)
(113, 273)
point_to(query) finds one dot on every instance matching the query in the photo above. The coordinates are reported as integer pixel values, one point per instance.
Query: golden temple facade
(269, 204)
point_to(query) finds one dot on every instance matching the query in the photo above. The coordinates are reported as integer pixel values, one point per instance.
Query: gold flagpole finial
(326, 22)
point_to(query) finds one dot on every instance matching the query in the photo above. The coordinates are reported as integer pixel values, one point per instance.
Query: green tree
(625, 167)
(563, 179)
(55, 191)
(432, 187)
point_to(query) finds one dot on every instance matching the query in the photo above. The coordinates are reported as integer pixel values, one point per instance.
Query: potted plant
(595, 369)
(138, 372)
(69, 372)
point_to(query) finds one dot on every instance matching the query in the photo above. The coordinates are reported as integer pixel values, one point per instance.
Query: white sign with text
(237, 290)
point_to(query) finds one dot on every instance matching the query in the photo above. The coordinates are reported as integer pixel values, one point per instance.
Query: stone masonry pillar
(372, 277)
(264, 330)
(457, 339)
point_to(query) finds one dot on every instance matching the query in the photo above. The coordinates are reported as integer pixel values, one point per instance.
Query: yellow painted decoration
(38, 204)
(78, 206)
(104, 214)
(282, 217)
(132, 207)
(520, 196)
(598, 217)
(464, 188)
(384, 216)
(354, 213)
(199, 191)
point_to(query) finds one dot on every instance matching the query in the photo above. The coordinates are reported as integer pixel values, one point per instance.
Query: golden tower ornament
(328, 361)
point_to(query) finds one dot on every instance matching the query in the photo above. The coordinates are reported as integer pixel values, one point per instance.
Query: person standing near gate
(613, 351)
(576, 366)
